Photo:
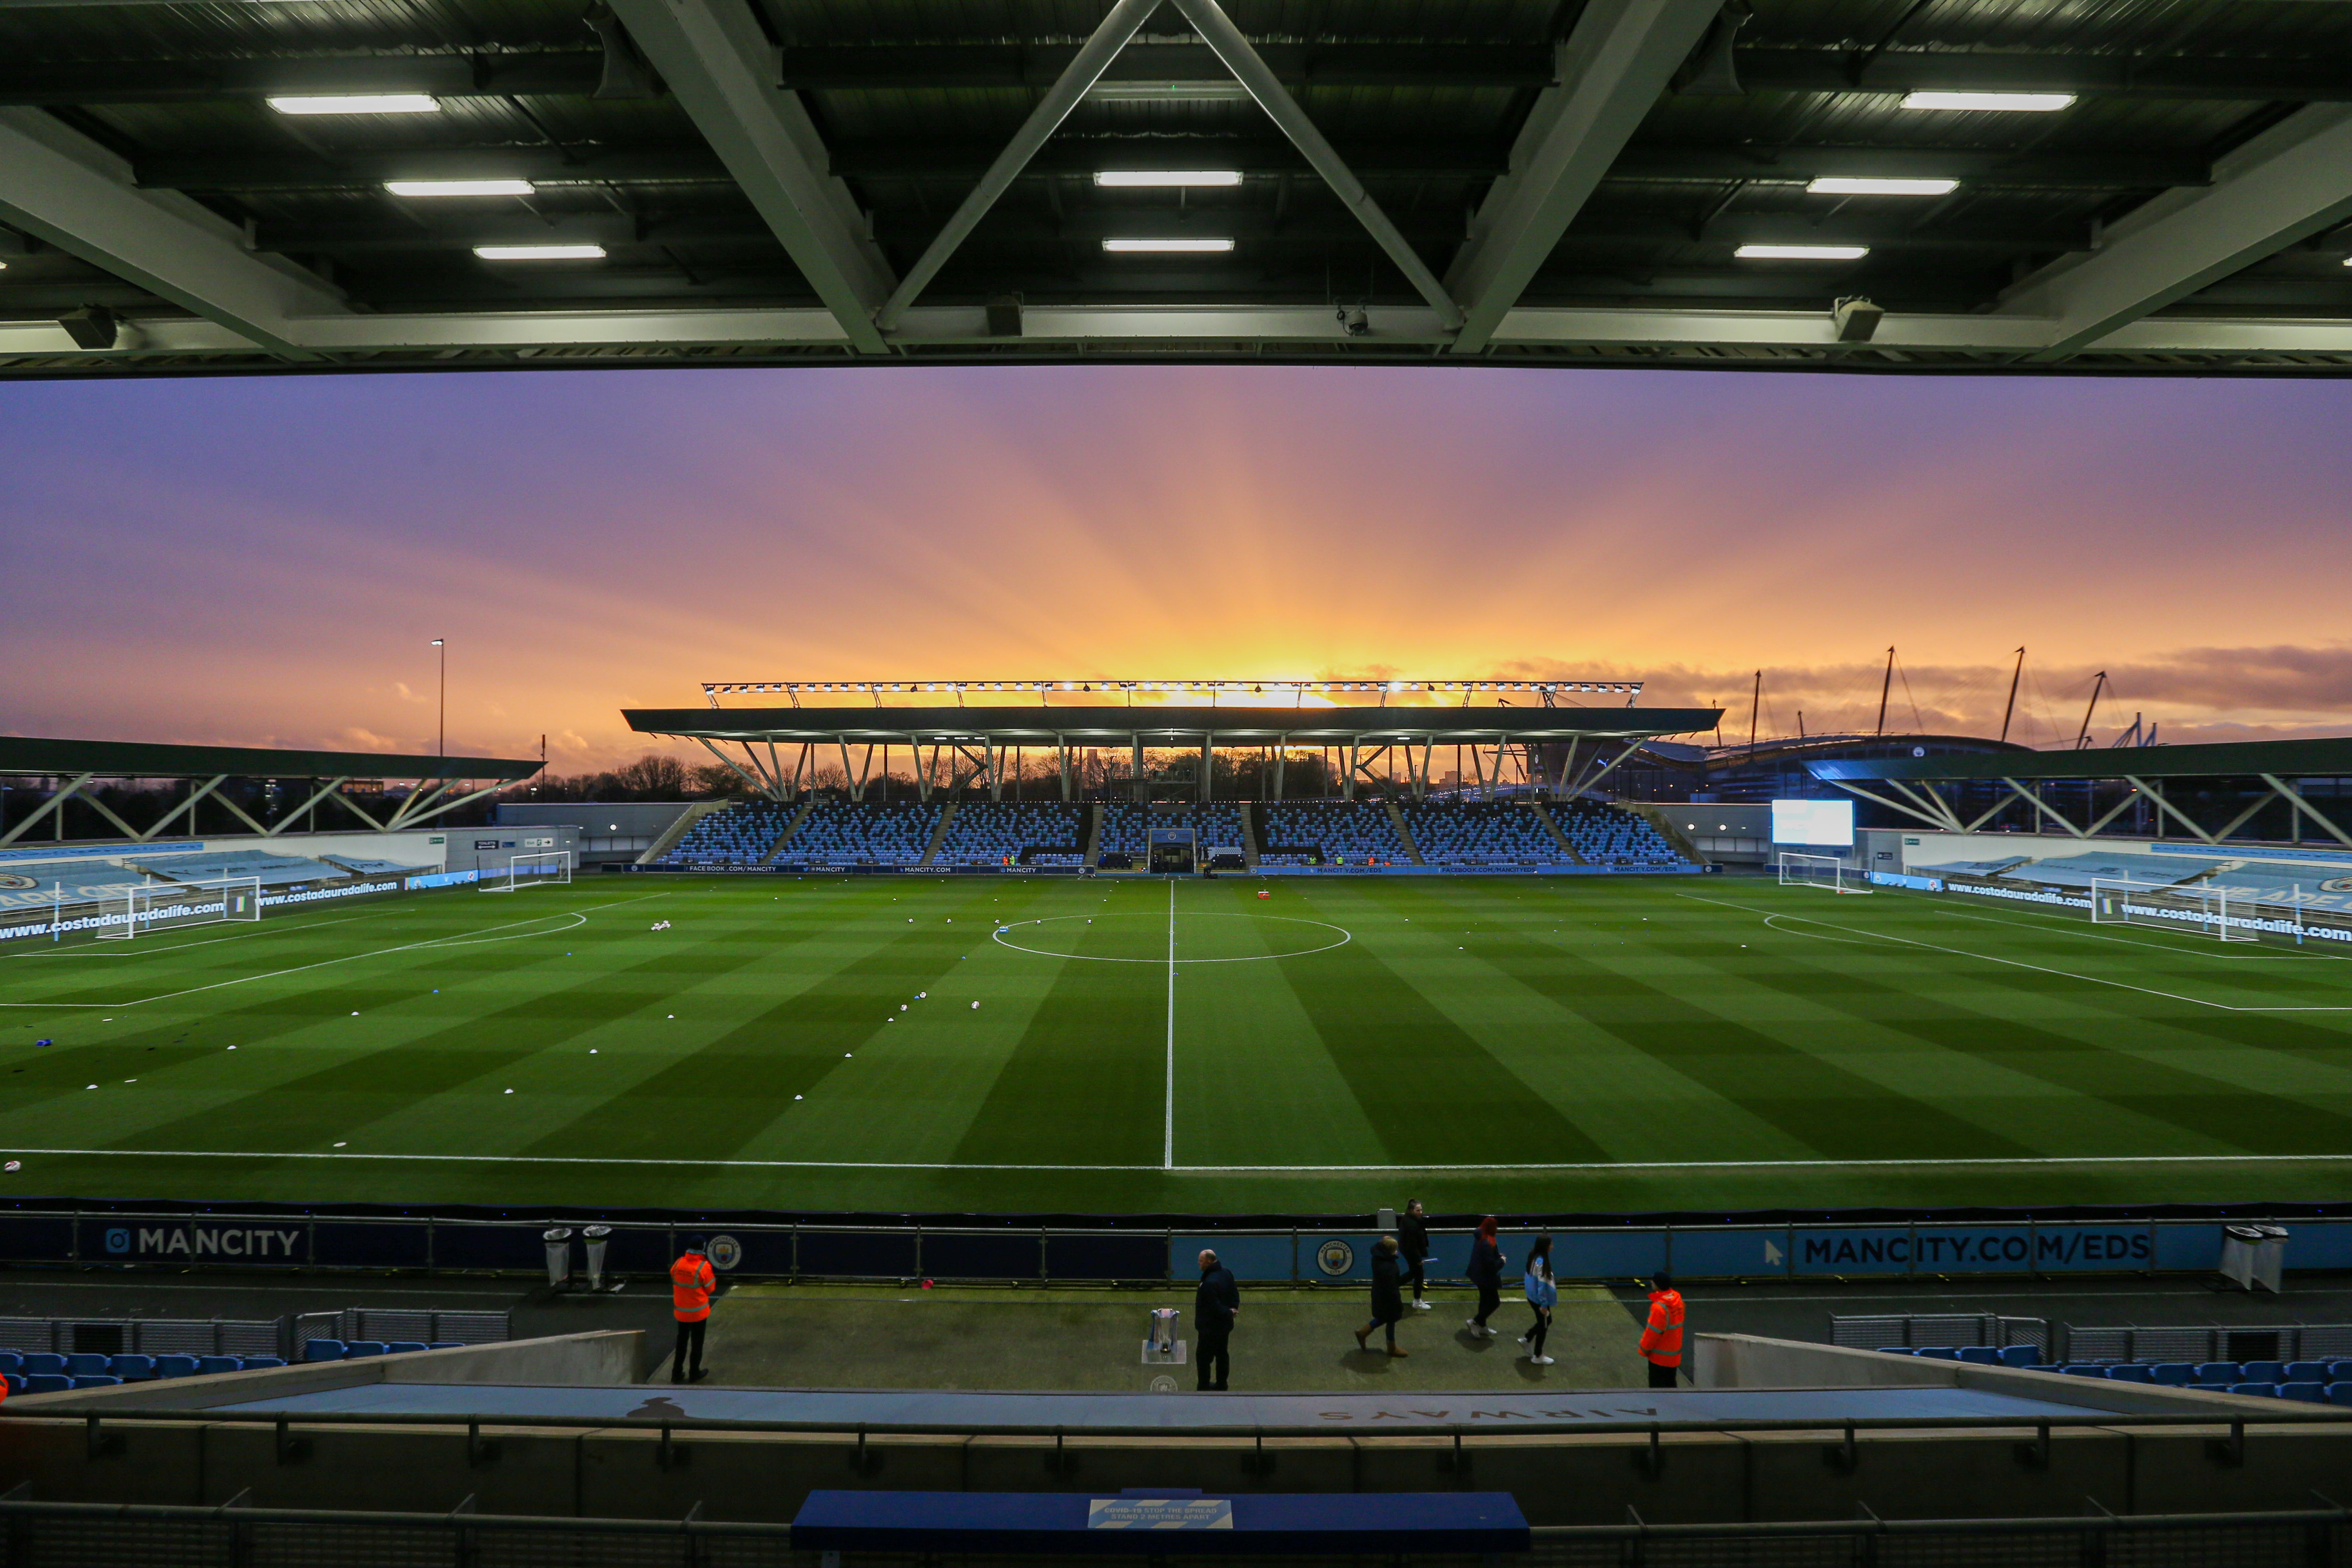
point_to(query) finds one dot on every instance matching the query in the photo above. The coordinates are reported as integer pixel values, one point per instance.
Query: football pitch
(1070, 1047)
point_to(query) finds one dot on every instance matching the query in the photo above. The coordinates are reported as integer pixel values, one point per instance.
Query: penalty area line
(1594, 1166)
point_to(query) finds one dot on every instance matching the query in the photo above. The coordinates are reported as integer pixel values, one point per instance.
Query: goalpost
(551, 867)
(2197, 911)
(1821, 872)
(151, 907)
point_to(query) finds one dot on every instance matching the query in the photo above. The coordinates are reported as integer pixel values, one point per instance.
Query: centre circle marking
(1346, 936)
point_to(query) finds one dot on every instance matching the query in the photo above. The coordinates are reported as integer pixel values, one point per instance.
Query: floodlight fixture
(1801, 252)
(358, 103)
(2009, 102)
(1167, 247)
(1857, 186)
(460, 187)
(1158, 179)
(539, 252)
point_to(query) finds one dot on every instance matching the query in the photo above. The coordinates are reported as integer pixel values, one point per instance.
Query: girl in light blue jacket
(1543, 1295)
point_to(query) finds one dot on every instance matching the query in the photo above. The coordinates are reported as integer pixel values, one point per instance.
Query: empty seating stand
(842, 833)
(1012, 833)
(2313, 1382)
(1607, 837)
(1329, 832)
(732, 838)
(1468, 834)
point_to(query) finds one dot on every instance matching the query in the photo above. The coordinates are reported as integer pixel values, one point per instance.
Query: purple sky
(263, 562)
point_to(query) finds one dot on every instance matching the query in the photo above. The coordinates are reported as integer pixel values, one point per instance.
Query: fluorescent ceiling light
(1157, 177)
(1225, 91)
(459, 187)
(1843, 185)
(360, 103)
(2015, 102)
(1801, 252)
(539, 252)
(1168, 247)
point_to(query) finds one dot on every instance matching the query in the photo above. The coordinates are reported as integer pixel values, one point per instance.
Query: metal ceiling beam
(895, 67)
(1613, 69)
(61, 187)
(2288, 183)
(1109, 36)
(2026, 170)
(1251, 72)
(521, 74)
(2248, 78)
(720, 67)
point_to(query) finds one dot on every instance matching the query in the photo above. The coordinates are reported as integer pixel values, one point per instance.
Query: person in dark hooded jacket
(1412, 1241)
(1487, 1273)
(1388, 1295)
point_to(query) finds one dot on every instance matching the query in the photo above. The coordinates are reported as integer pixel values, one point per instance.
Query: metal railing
(1915, 1329)
(42, 1534)
(144, 1336)
(2217, 1341)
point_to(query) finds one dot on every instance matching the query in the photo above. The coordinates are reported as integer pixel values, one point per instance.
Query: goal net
(551, 867)
(151, 907)
(2197, 911)
(1821, 872)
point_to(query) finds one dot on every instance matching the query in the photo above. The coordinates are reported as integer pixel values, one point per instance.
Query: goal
(148, 908)
(1821, 872)
(2196, 910)
(551, 867)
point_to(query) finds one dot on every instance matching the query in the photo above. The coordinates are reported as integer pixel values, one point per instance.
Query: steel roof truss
(719, 65)
(2304, 807)
(2167, 808)
(1243, 60)
(1086, 68)
(56, 803)
(321, 792)
(1613, 69)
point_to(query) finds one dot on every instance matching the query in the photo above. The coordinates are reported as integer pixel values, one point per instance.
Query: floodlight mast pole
(441, 744)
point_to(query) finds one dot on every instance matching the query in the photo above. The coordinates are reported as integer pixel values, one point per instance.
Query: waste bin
(559, 1256)
(2253, 1255)
(598, 1237)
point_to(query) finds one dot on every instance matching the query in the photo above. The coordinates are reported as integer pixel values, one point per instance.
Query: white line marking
(2065, 928)
(1346, 936)
(2014, 962)
(1592, 1165)
(160, 943)
(460, 940)
(1168, 1130)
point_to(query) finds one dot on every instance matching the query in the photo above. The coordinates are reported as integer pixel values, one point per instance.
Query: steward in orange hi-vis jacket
(691, 1281)
(1661, 1336)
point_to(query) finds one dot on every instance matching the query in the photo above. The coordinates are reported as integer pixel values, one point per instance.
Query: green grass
(1572, 1044)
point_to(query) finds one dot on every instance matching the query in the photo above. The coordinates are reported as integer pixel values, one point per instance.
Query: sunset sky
(264, 562)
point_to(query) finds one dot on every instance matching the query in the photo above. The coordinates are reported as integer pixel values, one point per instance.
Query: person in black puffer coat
(1487, 1273)
(1388, 1297)
(1412, 1241)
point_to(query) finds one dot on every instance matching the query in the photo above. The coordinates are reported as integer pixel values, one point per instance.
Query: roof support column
(1208, 766)
(2295, 799)
(2166, 809)
(287, 821)
(56, 803)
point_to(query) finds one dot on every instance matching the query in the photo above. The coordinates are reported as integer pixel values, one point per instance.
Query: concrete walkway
(835, 1336)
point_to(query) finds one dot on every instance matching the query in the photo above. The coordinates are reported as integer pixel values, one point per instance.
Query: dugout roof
(1555, 181)
(2327, 758)
(139, 759)
(1167, 724)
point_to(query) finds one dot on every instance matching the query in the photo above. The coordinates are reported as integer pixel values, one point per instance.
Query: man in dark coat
(1388, 1295)
(1487, 1273)
(1215, 1305)
(1412, 1240)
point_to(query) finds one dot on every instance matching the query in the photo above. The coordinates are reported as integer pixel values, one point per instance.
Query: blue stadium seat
(402, 1347)
(1895, 1350)
(175, 1366)
(2339, 1372)
(45, 1364)
(2220, 1372)
(207, 1364)
(97, 1380)
(2307, 1371)
(11, 1361)
(131, 1368)
(2262, 1371)
(83, 1364)
(2173, 1373)
(256, 1362)
(1980, 1355)
(2084, 1369)
(47, 1382)
(2340, 1393)
(447, 1345)
(1939, 1353)
(354, 1348)
(2020, 1356)
(324, 1350)
(2267, 1390)
(2129, 1372)
(2303, 1389)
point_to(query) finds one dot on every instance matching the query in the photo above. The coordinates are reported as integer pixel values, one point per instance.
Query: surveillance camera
(1354, 320)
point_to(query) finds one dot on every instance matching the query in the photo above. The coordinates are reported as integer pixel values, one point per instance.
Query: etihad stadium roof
(186, 185)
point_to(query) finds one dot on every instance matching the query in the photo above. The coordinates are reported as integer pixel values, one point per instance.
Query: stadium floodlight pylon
(150, 907)
(2195, 909)
(1822, 871)
(551, 868)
